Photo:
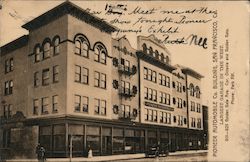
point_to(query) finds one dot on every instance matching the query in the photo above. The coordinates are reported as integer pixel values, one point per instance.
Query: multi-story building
(78, 83)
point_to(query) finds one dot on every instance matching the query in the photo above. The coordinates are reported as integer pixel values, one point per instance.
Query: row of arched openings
(47, 48)
(82, 48)
(155, 53)
(194, 91)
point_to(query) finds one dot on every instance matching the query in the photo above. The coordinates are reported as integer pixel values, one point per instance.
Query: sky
(13, 16)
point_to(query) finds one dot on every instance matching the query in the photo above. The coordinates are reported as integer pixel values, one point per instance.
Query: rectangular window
(35, 106)
(161, 97)
(164, 80)
(45, 105)
(85, 104)
(167, 81)
(103, 80)
(161, 117)
(179, 102)
(127, 110)
(103, 107)
(55, 73)
(153, 76)
(150, 94)
(126, 65)
(154, 95)
(192, 106)
(150, 115)
(146, 114)
(168, 118)
(85, 75)
(100, 80)
(36, 79)
(77, 103)
(55, 103)
(9, 65)
(100, 107)
(168, 99)
(149, 74)
(81, 74)
(198, 108)
(145, 93)
(199, 123)
(97, 79)
(8, 87)
(179, 87)
(145, 73)
(77, 73)
(97, 106)
(154, 115)
(45, 77)
(7, 111)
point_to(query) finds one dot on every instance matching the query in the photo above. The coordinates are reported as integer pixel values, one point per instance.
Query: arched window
(37, 52)
(151, 51)
(82, 46)
(144, 48)
(197, 92)
(162, 57)
(46, 50)
(78, 47)
(100, 53)
(166, 59)
(156, 54)
(56, 45)
(191, 88)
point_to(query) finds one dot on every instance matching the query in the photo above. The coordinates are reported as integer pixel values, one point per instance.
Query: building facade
(78, 83)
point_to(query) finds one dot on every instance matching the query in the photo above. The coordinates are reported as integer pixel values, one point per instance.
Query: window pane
(85, 104)
(77, 73)
(46, 50)
(56, 46)
(77, 102)
(78, 47)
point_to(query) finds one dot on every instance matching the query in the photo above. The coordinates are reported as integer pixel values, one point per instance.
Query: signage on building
(158, 106)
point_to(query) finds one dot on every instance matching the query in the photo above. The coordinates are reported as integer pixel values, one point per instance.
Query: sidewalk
(108, 158)
(187, 152)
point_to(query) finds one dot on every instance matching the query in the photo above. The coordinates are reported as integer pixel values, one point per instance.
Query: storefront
(108, 138)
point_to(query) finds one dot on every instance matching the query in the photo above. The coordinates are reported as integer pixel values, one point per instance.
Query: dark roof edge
(154, 61)
(15, 44)
(69, 8)
(192, 72)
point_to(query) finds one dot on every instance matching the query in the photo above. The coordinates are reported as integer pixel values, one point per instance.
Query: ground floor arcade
(106, 137)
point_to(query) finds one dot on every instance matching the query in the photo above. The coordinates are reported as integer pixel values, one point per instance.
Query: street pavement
(201, 157)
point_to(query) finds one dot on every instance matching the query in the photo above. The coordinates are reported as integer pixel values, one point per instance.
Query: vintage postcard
(124, 80)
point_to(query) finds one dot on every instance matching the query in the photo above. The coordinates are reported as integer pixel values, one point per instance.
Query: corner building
(78, 83)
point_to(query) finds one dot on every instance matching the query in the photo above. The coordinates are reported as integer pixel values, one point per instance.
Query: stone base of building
(103, 137)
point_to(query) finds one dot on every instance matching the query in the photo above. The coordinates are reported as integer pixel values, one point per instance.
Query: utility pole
(70, 147)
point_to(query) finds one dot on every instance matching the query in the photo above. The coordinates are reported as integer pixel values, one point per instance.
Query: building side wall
(128, 55)
(88, 90)
(38, 37)
(18, 97)
(194, 114)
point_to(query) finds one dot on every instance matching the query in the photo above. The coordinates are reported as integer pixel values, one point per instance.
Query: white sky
(16, 13)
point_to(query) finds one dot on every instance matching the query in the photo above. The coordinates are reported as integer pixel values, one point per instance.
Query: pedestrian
(38, 147)
(90, 154)
(42, 154)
